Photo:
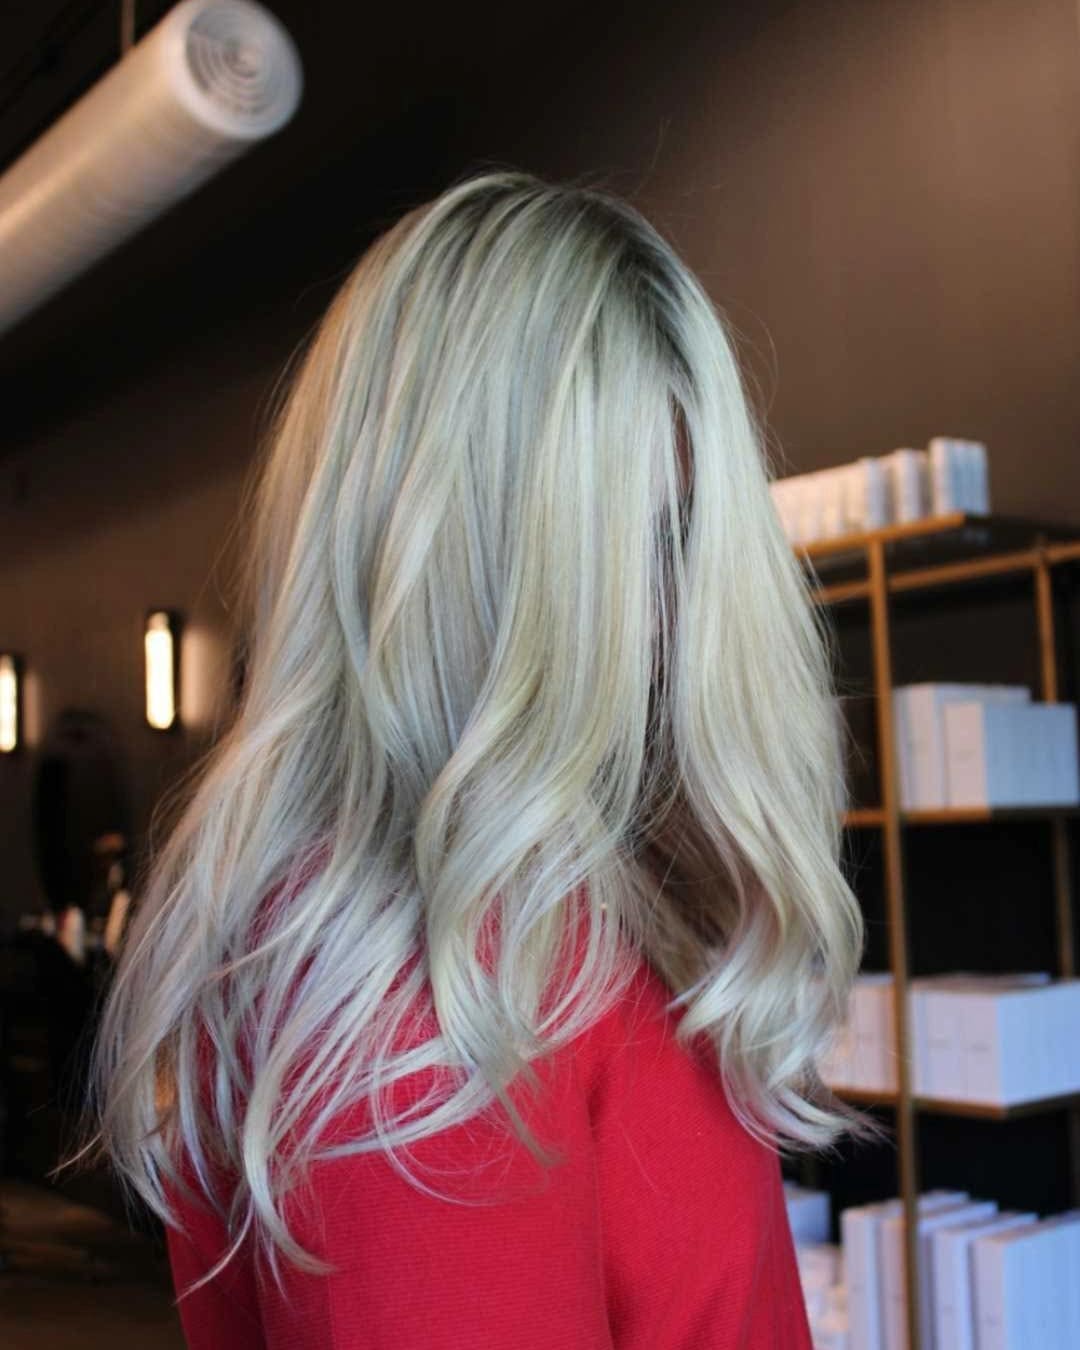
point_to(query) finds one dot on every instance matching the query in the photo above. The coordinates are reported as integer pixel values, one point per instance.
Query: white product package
(918, 714)
(947, 1036)
(893, 1283)
(1002, 754)
(860, 1227)
(1017, 1290)
(954, 1305)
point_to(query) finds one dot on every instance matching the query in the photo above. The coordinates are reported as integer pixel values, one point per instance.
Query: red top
(664, 1228)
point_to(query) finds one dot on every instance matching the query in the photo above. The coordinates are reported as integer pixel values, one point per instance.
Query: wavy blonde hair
(524, 630)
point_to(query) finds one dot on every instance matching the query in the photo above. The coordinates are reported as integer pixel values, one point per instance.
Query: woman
(483, 974)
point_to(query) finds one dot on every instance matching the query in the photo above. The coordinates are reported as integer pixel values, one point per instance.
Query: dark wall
(884, 199)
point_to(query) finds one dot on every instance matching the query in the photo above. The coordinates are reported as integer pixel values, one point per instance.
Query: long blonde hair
(503, 662)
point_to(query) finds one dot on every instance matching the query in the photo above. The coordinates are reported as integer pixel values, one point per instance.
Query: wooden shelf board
(874, 817)
(860, 1097)
(948, 550)
(976, 1110)
(930, 527)
(914, 529)
(959, 815)
(868, 817)
(842, 592)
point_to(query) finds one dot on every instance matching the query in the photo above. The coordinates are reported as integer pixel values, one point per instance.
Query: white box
(820, 1263)
(811, 507)
(832, 1332)
(1002, 754)
(785, 495)
(1060, 1026)
(893, 1284)
(998, 1278)
(974, 474)
(1065, 1273)
(852, 495)
(907, 476)
(779, 491)
(862, 1271)
(1062, 754)
(979, 764)
(937, 1062)
(872, 493)
(936, 1051)
(968, 475)
(918, 714)
(954, 1308)
(939, 1067)
(833, 487)
(808, 1213)
(1011, 1046)
(859, 1227)
(982, 478)
(1063, 1033)
(997, 1047)
(946, 484)
(862, 1052)
(1013, 1306)
(837, 1064)
(873, 1032)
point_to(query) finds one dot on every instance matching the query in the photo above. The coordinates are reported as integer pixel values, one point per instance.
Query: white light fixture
(162, 667)
(10, 702)
(209, 81)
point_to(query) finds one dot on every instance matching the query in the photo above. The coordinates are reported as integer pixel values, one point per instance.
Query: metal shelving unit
(869, 569)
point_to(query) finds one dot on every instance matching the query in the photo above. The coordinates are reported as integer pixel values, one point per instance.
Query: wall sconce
(162, 668)
(10, 702)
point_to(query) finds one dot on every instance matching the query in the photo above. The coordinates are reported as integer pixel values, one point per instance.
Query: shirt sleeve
(699, 1253)
(662, 1225)
(522, 1271)
(225, 1310)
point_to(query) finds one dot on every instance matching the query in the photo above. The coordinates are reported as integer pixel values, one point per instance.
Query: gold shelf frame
(1043, 546)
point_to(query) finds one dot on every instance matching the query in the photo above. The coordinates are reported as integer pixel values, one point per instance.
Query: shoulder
(697, 1239)
(673, 1093)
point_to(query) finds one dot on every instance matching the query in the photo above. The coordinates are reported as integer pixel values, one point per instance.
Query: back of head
(527, 645)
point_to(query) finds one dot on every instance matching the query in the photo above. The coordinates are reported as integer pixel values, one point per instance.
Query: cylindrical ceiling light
(161, 642)
(206, 83)
(10, 702)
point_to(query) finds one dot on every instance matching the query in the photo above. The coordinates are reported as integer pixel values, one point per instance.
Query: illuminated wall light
(162, 667)
(10, 702)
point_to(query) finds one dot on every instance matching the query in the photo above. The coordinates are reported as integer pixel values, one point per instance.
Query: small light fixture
(10, 702)
(162, 668)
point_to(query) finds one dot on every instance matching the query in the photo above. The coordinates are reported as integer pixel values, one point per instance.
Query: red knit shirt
(663, 1228)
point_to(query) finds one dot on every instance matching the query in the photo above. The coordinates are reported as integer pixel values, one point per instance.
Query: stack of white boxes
(877, 490)
(991, 1040)
(984, 745)
(1026, 1287)
(873, 1242)
(953, 1308)
(988, 1280)
(998, 1040)
(820, 1266)
(863, 1052)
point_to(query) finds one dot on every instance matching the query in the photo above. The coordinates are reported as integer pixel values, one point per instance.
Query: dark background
(882, 197)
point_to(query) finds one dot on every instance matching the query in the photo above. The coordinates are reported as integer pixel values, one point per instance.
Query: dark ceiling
(388, 93)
